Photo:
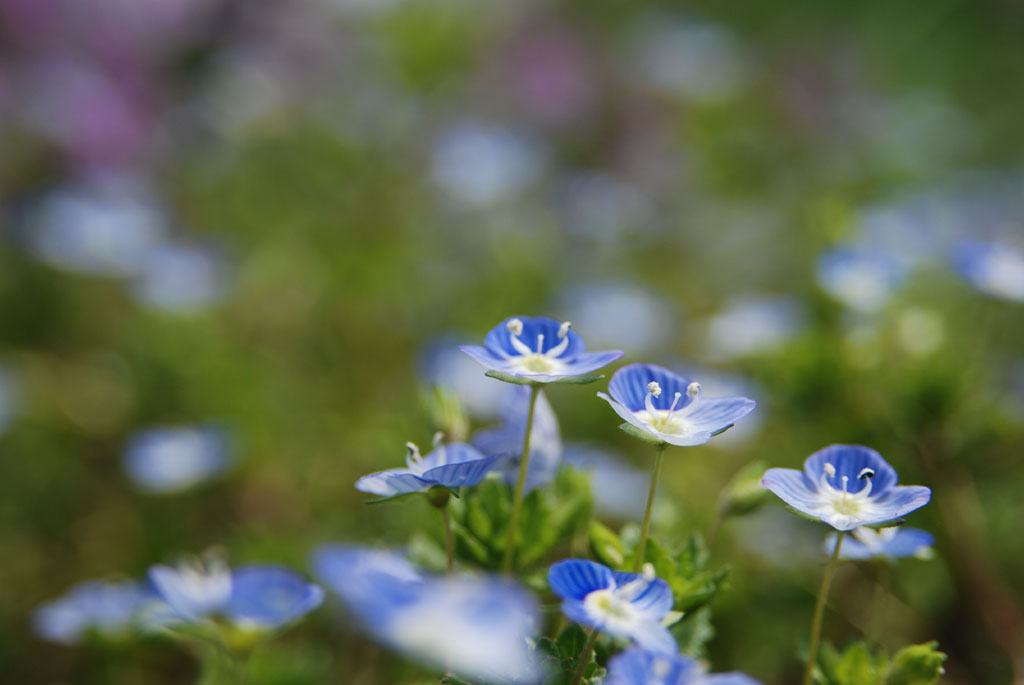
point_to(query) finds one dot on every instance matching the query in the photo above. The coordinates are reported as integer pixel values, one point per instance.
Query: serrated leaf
(640, 434)
(694, 632)
(582, 379)
(856, 667)
(508, 378)
(916, 665)
(571, 642)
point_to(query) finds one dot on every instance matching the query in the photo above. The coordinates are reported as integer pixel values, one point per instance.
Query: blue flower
(477, 627)
(892, 543)
(670, 407)
(846, 486)
(505, 442)
(637, 666)
(254, 598)
(109, 608)
(180, 277)
(444, 365)
(860, 278)
(992, 268)
(539, 349)
(628, 605)
(753, 324)
(621, 314)
(451, 466)
(172, 459)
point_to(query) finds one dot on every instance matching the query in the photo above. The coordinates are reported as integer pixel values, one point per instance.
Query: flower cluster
(471, 623)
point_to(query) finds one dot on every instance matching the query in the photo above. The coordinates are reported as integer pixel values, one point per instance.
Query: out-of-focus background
(239, 241)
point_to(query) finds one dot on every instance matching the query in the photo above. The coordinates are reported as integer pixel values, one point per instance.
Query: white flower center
(537, 360)
(669, 421)
(841, 501)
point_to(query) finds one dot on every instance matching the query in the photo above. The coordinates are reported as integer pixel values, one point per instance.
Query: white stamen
(830, 470)
(438, 439)
(693, 389)
(845, 479)
(414, 452)
(654, 388)
(563, 330)
(648, 571)
(540, 343)
(675, 401)
(514, 326)
(866, 472)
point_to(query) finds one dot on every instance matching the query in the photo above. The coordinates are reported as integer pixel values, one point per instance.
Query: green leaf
(640, 434)
(856, 667)
(508, 378)
(694, 632)
(583, 379)
(916, 665)
(605, 545)
(571, 642)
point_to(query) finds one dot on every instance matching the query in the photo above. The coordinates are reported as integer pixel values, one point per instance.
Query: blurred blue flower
(992, 268)
(480, 164)
(624, 604)
(103, 227)
(505, 442)
(669, 406)
(454, 465)
(168, 460)
(601, 207)
(179, 277)
(446, 366)
(551, 350)
(846, 486)
(636, 666)
(752, 324)
(476, 627)
(860, 278)
(892, 543)
(621, 315)
(109, 608)
(254, 598)
(618, 488)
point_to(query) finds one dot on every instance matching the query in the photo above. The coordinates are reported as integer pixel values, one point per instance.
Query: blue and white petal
(168, 460)
(992, 268)
(891, 543)
(194, 590)
(107, 607)
(576, 578)
(267, 597)
(650, 596)
(846, 486)
(670, 406)
(392, 482)
(539, 349)
(849, 461)
(505, 442)
(636, 666)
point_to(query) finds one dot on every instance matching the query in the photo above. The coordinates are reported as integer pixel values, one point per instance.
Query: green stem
(819, 611)
(588, 649)
(639, 562)
(878, 602)
(517, 499)
(449, 539)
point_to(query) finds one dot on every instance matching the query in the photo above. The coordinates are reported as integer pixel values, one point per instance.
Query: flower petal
(485, 357)
(499, 338)
(654, 636)
(392, 482)
(626, 414)
(726, 679)
(898, 502)
(462, 474)
(794, 488)
(654, 601)
(636, 666)
(576, 578)
(850, 461)
(716, 413)
(270, 596)
(629, 386)
(591, 361)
